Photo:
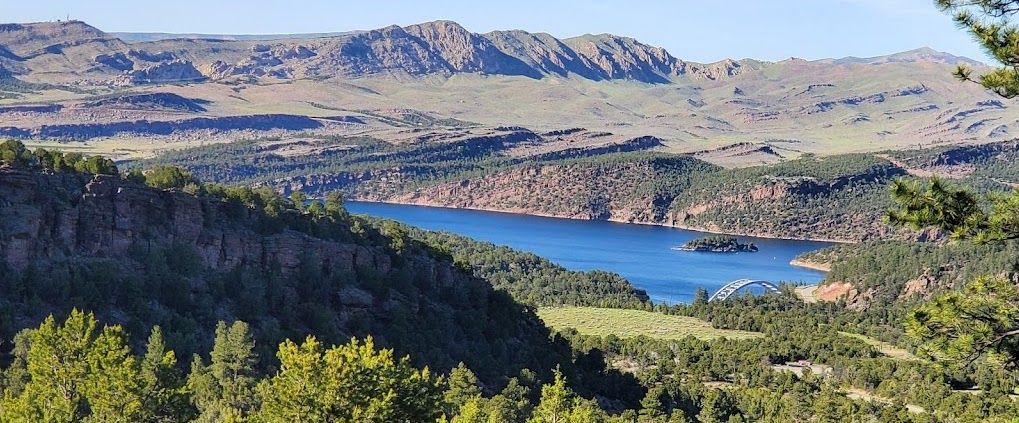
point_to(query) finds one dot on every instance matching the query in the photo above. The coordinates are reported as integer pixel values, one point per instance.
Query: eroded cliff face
(645, 192)
(48, 218)
(576, 192)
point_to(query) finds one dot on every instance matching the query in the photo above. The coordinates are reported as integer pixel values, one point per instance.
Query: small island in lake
(717, 244)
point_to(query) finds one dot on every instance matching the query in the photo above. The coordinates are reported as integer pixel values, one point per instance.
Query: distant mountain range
(71, 81)
(74, 52)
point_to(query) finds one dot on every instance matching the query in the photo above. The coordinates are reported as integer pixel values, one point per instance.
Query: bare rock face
(163, 72)
(278, 61)
(118, 61)
(626, 58)
(465, 51)
(722, 69)
(543, 52)
(387, 49)
(49, 218)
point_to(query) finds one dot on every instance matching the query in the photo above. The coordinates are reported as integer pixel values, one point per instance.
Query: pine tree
(113, 386)
(472, 411)
(716, 407)
(988, 22)
(981, 318)
(700, 297)
(559, 404)
(556, 402)
(348, 383)
(651, 408)
(224, 389)
(77, 373)
(462, 388)
(517, 395)
(939, 204)
(165, 399)
(15, 377)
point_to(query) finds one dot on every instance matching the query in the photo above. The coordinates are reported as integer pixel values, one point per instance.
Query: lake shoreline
(813, 265)
(642, 254)
(683, 227)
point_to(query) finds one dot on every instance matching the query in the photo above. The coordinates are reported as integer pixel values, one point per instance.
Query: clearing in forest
(630, 323)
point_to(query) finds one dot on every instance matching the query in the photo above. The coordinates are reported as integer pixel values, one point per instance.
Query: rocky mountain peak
(625, 58)
(465, 51)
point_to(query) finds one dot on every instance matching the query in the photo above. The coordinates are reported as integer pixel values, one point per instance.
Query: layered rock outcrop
(54, 218)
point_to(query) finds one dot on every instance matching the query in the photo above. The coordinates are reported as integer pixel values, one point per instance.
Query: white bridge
(731, 288)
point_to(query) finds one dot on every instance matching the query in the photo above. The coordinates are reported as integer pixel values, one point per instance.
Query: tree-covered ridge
(883, 270)
(335, 275)
(531, 279)
(838, 197)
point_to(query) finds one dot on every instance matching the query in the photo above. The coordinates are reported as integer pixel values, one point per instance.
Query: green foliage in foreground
(983, 317)
(75, 371)
(988, 22)
(963, 325)
(415, 305)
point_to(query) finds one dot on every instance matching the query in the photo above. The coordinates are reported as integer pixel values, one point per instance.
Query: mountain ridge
(441, 47)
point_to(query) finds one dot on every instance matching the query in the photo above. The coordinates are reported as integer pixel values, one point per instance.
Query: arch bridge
(736, 285)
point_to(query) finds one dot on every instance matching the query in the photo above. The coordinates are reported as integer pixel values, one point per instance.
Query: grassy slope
(629, 323)
(883, 347)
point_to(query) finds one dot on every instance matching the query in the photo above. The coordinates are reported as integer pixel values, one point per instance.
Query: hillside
(139, 256)
(76, 233)
(839, 197)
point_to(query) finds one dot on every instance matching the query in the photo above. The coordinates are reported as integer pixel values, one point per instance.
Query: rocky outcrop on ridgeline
(49, 218)
(955, 156)
(543, 52)
(162, 73)
(147, 101)
(615, 57)
(465, 51)
(445, 47)
(643, 143)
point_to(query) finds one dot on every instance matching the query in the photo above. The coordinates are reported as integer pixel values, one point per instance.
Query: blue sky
(704, 30)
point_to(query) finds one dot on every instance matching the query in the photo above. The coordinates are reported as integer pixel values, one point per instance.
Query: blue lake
(641, 253)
